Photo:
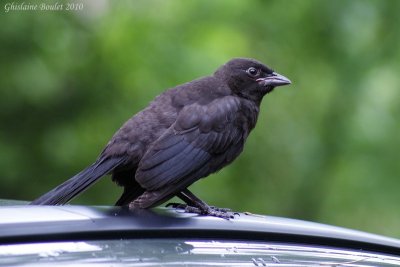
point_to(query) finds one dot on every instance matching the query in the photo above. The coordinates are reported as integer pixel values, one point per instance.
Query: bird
(186, 133)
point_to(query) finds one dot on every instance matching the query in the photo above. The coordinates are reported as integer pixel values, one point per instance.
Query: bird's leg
(192, 200)
(186, 199)
(196, 205)
(190, 206)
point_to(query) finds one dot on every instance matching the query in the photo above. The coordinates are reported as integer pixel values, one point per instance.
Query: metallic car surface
(186, 252)
(116, 236)
(22, 223)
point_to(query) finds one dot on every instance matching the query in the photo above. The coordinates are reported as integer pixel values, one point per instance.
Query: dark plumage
(185, 134)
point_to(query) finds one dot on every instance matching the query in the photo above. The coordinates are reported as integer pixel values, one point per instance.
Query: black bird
(185, 134)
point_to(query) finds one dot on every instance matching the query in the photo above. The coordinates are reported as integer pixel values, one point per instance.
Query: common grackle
(186, 133)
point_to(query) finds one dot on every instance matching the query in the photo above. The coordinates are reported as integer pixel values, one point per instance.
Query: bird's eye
(252, 71)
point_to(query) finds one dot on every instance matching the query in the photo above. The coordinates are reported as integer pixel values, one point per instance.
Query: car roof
(24, 223)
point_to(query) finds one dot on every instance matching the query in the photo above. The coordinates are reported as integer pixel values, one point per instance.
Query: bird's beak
(273, 80)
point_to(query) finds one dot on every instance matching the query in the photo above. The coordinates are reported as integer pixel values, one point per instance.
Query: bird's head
(250, 78)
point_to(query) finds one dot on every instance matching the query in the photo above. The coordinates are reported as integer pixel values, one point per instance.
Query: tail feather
(78, 183)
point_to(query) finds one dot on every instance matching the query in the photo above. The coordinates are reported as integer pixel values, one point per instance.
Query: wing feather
(190, 145)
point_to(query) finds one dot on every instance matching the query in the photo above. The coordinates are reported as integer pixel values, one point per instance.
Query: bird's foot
(220, 209)
(186, 207)
(218, 212)
(208, 211)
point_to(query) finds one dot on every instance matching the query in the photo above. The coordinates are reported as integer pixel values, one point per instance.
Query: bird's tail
(79, 183)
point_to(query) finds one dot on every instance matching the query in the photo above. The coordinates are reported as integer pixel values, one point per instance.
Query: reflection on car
(115, 236)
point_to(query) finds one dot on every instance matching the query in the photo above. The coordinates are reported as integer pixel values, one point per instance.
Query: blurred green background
(325, 148)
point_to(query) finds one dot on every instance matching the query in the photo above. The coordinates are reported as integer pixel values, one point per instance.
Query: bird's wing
(200, 135)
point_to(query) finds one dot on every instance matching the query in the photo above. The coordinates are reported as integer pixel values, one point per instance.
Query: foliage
(325, 148)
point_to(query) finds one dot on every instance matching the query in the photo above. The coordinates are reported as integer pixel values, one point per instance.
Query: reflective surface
(180, 252)
(19, 223)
